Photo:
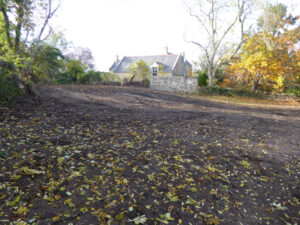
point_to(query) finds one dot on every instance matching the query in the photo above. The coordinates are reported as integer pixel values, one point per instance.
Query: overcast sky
(126, 27)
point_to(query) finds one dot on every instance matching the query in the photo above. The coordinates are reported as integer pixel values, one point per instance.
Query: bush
(90, 77)
(75, 73)
(202, 79)
(143, 83)
(82, 78)
(64, 78)
(146, 83)
(216, 90)
(9, 89)
(93, 77)
(109, 77)
(294, 91)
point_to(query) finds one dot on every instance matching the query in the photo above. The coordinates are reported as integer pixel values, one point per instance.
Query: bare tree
(47, 11)
(218, 19)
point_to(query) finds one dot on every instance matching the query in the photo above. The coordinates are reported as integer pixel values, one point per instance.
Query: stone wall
(174, 84)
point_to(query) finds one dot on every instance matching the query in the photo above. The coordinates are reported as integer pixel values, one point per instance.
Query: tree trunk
(211, 76)
(131, 79)
(7, 24)
(254, 85)
(20, 12)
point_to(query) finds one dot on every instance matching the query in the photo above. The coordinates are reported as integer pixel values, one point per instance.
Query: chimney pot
(166, 51)
(183, 54)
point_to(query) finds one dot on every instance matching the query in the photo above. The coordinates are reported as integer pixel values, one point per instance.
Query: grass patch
(253, 102)
(247, 97)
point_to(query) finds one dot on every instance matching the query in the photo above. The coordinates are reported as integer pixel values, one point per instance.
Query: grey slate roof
(187, 63)
(168, 61)
(114, 66)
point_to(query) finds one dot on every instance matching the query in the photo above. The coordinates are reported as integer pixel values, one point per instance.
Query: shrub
(9, 89)
(64, 78)
(202, 79)
(82, 78)
(143, 83)
(109, 77)
(90, 77)
(216, 90)
(146, 83)
(93, 77)
(294, 91)
(75, 73)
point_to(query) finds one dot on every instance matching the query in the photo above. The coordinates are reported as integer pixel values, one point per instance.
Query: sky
(127, 28)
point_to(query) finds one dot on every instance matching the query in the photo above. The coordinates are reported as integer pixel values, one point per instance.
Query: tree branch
(48, 35)
(197, 43)
(226, 32)
(214, 53)
(198, 19)
(241, 18)
(49, 15)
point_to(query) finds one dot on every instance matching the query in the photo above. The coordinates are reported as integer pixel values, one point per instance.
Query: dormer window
(155, 67)
(154, 71)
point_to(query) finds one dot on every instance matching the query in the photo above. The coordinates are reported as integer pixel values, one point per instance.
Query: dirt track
(204, 162)
(277, 128)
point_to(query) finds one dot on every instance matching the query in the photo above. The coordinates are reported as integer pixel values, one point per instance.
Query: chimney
(182, 54)
(117, 58)
(166, 50)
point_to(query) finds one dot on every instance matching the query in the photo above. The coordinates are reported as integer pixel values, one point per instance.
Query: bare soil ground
(123, 155)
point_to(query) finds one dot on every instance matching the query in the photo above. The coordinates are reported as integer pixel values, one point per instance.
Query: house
(166, 65)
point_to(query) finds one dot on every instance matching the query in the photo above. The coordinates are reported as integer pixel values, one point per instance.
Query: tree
(270, 21)
(23, 24)
(49, 62)
(75, 69)
(261, 66)
(23, 19)
(84, 55)
(57, 39)
(202, 79)
(22, 8)
(6, 53)
(47, 10)
(210, 15)
(139, 70)
(20, 23)
(271, 18)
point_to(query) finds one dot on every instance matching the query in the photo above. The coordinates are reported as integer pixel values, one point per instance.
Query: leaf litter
(68, 161)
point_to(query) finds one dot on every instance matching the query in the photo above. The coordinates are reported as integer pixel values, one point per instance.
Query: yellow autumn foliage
(266, 62)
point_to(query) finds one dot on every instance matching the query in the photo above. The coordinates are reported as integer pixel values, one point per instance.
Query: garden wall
(174, 84)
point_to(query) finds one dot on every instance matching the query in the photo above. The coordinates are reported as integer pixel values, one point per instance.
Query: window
(154, 71)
